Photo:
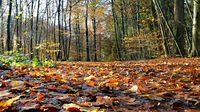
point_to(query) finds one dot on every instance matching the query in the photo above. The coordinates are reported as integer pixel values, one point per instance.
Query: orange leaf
(40, 96)
(32, 94)
(178, 88)
(51, 87)
(114, 82)
(144, 78)
(91, 83)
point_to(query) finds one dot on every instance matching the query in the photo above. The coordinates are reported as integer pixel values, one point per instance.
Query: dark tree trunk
(59, 55)
(31, 41)
(179, 25)
(117, 34)
(87, 32)
(8, 42)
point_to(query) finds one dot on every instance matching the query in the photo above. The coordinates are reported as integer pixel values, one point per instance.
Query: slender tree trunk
(20, 25)
(8, 42)
(31, 41)
(17, 25)
(95, 38)
(122, 19)
(79, 47)
(59, 55)
(195, 29)
(87, 32)
(70, 28)
(2, 30)
(36, 30)
(54, 37)
(62, 29)
(138, 15)
(161, 24)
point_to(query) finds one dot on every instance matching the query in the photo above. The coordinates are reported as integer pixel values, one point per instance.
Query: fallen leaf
(17, 84)
(91, 77)
(134, 88)
(4, 93)
(9, 102)
(91, 83)
(40, 96)
(72, 107)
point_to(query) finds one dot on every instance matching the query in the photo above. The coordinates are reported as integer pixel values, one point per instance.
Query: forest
(100, 55)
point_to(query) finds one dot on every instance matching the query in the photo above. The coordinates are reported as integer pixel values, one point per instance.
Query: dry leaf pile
(159, 85)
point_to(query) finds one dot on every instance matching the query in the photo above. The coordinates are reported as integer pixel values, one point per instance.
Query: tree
(32, 31)
(195, 29)
(116, 27)
(8, 42)
(87, 32)
(179, 25)
(59, 55)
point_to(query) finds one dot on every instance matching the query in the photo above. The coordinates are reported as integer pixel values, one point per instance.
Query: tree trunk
(31, 41)
(70, 28)
(15, 47)
(117, 35)
(179, 25)
(2, 30)
(59, 55)
(195, 29)
(36, 30)
(95, 38)
(8, 42)
(87, 32)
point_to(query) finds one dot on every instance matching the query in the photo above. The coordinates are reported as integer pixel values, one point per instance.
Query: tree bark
(59, 55)
(87, 32)
(117, 35)
(70, 28)
(95, 38)
(179, 25)
(195, 29)
(8, 42)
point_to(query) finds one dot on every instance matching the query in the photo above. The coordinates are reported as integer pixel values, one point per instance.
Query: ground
(159, 85)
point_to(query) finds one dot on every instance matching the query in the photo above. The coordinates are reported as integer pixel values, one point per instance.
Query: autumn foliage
(154, 85)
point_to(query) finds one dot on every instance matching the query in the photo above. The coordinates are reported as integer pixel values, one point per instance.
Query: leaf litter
(158, 85)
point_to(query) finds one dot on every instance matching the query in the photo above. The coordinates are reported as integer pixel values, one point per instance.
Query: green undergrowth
(17, 59)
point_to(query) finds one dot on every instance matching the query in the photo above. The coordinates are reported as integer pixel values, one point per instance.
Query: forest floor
(159, 85)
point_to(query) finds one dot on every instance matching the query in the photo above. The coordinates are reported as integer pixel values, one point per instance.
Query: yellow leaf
(93, 78)
(9, 102)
